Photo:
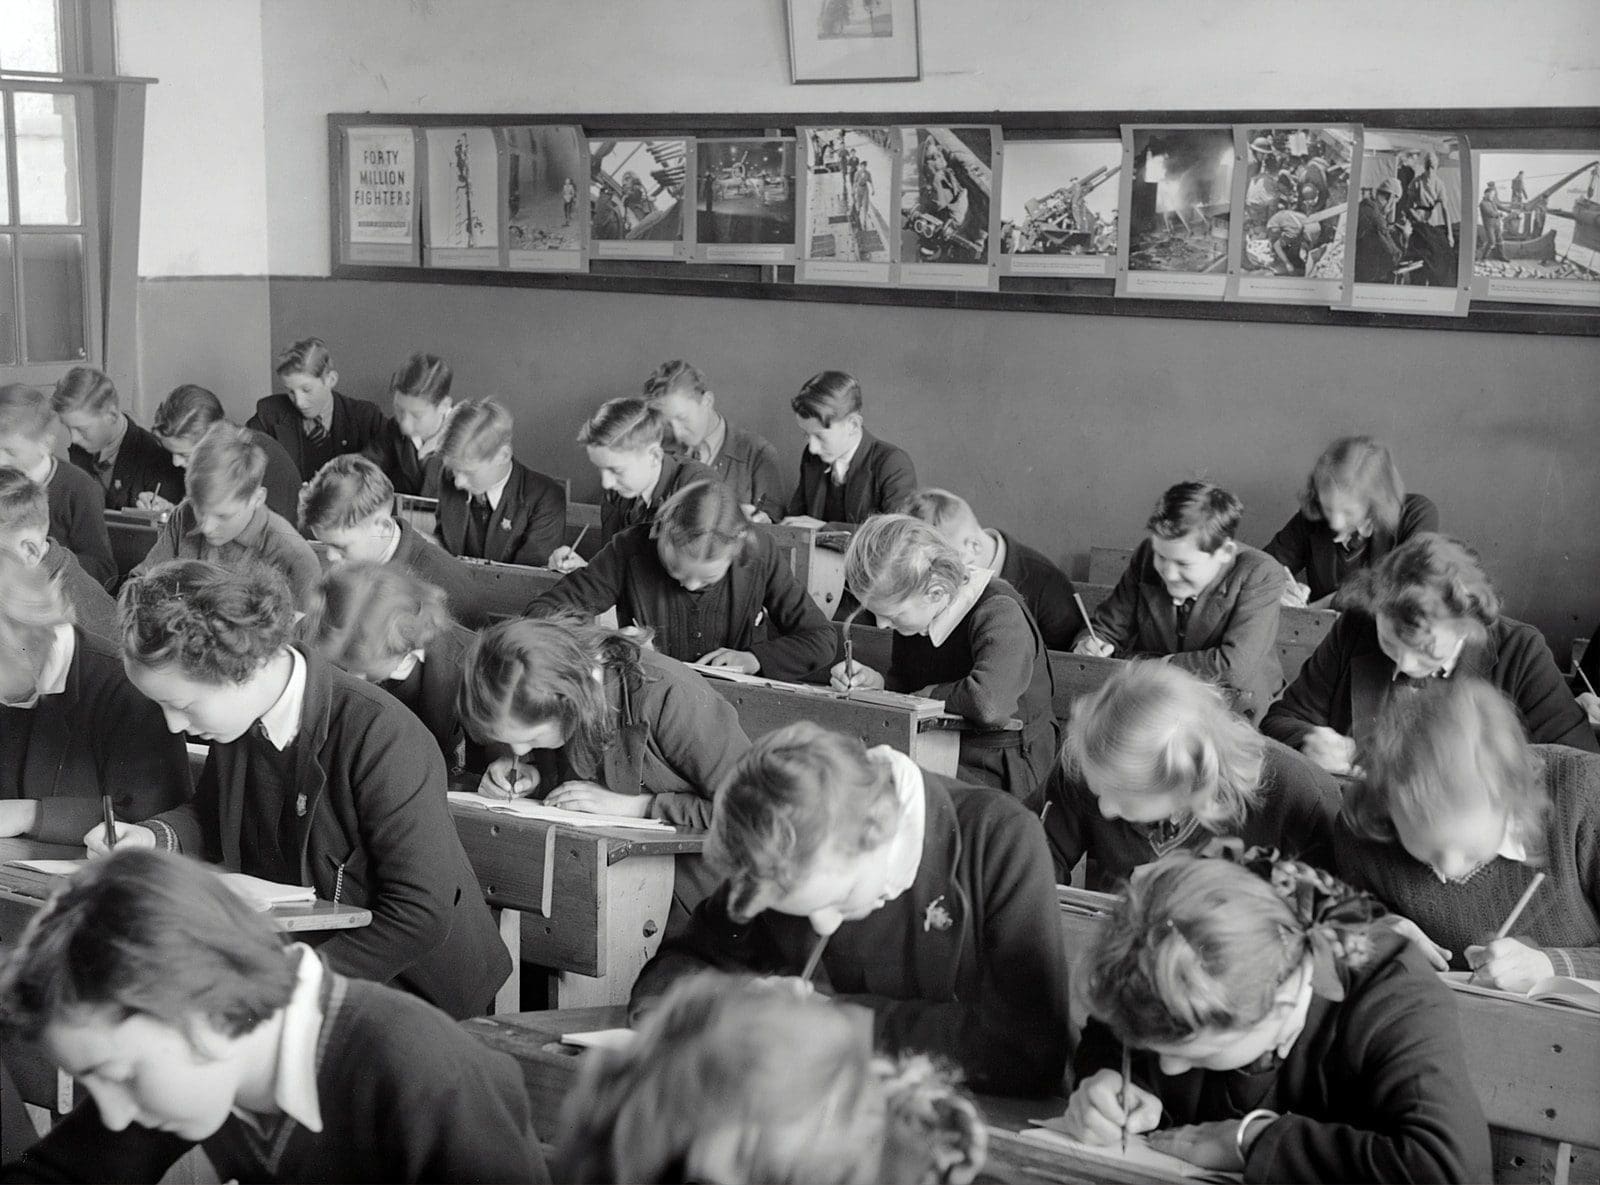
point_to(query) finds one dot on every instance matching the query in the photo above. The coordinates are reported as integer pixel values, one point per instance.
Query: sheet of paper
(1139, 1153)
(50, 867)
(601, 1039)
(264, 894)
(526, 808)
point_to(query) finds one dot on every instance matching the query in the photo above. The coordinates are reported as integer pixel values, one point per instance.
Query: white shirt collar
(904, 851)
(394, 542)
(53, 676)
(997, 565)
(842, 466)
(281, 722)
(427, 446)
(497, 491)
(108, 455)
(43, 471)
(942, 626)
(1511, 845)
(294, 1086)
(1446, 670)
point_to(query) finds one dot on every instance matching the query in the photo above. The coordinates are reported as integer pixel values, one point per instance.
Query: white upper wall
(322, 56)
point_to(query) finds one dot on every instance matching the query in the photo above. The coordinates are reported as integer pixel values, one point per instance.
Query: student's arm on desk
(1548, 708)
(699, 736)
(546, 527)
(1291, 546)
(1064, 804)
(1116, 618)
(81, 1149)
(1307, 703)
(163, 549)
(766, 482)
(191, 827)
(800, 639)
(591, 589)
(1251, 636)
(1002, 666)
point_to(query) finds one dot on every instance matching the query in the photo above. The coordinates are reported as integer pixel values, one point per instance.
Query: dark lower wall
(211, 330)
(1063, 429)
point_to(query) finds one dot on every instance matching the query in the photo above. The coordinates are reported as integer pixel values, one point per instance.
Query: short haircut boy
(227, 465)
(676, 376)
(937, 507)
(477, 430)
(347, 491)
(423, 376)
(24, 504)
(624, 424)
(25, 411)
(307, 356)
(827, 398)
(186, 413)
(1197, 508)
(83, 388)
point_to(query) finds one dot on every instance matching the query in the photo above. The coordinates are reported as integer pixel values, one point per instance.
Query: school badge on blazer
(936, 916)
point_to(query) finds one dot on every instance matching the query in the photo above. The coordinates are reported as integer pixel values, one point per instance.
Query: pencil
(1522, 904)
(578, 542)
(815, 958)
(850, 651)
(516, 774)
(110, 819)
(1122, 1099)
(1585, 678)
(1089, 625)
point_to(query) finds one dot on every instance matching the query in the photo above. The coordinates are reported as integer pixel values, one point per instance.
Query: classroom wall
(1099, 413)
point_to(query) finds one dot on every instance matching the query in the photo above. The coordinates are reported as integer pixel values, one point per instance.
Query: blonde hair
(25, 411)
(893, 557)
(24, 504)
(676, 376)
(227, 463)
(33, 604)
(475, 431)
(366, 614)
(1362, 467)
(83, 388)
(937, 508)
(627, 425)
(348, 490)
(1155, 728)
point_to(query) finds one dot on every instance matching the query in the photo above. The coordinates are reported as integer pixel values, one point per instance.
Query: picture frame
(833, 41)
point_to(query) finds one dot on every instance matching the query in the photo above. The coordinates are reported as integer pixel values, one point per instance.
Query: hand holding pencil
(1507, 963)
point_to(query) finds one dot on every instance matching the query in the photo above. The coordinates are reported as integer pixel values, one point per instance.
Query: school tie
(313, 427)
(1183, 609)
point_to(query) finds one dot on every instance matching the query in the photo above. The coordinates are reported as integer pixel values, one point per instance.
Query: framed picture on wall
(854, 40)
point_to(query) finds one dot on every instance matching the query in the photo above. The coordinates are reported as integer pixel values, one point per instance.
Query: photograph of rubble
(745, 201)
(1175, 204)
(1290, 202)
(948, 221)
(636, 190)
(547, 218)
(845, 191)
(1058, 210)
(1538, 227)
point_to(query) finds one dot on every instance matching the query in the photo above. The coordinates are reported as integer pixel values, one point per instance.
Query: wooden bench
(133, 533)
(1106, 565)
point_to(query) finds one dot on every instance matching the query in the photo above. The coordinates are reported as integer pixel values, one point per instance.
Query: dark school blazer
(1232, 638)
(793, 640)
(142, 467)
(1348, 678)
(282, 480)
(525, 528)
(617, 514)
(967, 964)
(748, 465)
(427, 561)
(1306, 546)
(376, 832)
(355, 424)
(435, 697)
(1046, 590)
(881, 477)
(98, 736)
(78, 520)
(392, 451)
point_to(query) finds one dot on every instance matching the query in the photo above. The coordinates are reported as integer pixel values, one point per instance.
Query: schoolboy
(1043, 585)
(314, 422)
(24, 532)
(187, 1020)
(77, 503)
(127, 461)
(491, 506)
(407, 446)
(183, 419)
(1197, 597)
(746, 463)
(846, 474)
(349, 506)
(225, 518)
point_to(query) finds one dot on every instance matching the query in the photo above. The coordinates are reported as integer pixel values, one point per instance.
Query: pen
(578, 542)
(816, 958)
(1089, 625)
(850, 652)
(1522, 904)
(110, 821)
(1585, 679)
(1127, 1072)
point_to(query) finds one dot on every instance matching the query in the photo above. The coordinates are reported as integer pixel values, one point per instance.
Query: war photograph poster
(547, 216)
(1058, 210)
(1537, 235)
(1175, 202)
(463, 211)
(636, 198)
(380, 195)
(854, 40)
(1291, 188)
(846, 195)
(745, 201)
(948, 217)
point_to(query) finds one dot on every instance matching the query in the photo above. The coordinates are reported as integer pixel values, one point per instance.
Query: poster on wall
(636, 198)
(546, 214)
(1291, 193)
(463, 207)
(1175, 202)
(1538, 226)
(380, 195)
(1413, 246)
(1058, 210)
(949, 212)
(846, 188)
(745, 201)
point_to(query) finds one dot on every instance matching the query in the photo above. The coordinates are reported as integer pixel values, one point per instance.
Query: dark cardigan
(432, 564)
(748, 466)
(991, 669)
(525, 528)
(1563, 919)
(95, 607)
(1046, 590)
(405, 1094)
(392, 451)
(1347, 679)
(766, 611)
(282, 480)
(432, 695)
(78, 520)
(1232, 637)
(1308, 546)
(1375, 1088)
(1294, 813)
(618, 514)
(966, 965)
(355, 425)
(142, 466)
(269, 538)
(881, 477)
(376, 832)
(98, 736)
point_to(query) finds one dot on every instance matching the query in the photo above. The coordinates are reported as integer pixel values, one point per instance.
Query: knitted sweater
(1563, 919)
(78, 520)
(95, 607)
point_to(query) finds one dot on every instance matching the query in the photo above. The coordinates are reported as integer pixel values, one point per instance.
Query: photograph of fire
(1179, 200)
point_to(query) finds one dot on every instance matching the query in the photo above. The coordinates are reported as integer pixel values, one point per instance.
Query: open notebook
(1557, 989)
(1139, 1154)
(527, 808)
(263, 894)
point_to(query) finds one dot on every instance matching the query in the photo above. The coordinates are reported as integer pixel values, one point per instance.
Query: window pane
(47, 159)
(52, 297)
(8, 306)
(5, 168)
(31, 37)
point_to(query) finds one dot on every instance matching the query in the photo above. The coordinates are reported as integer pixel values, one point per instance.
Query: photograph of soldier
(945, 186)
(1539, 216)
(1295, 201)
(1060, 197)
(636, 189)
(746, 191)
(1421, 210)
(463, 188)
(541, 163)
(848, 174)
(1179, 197)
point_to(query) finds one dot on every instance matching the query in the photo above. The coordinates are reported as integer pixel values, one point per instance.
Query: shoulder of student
(744, 445)
(1254, 566)
(363, 413)
(272, 410)
(991, 815)
(679, 693)
(536, 484)
(1417, 513)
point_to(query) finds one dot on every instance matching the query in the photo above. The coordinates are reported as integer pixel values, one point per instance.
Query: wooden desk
(504, 590)
(588, 904)
(133, 533)
(816, 557)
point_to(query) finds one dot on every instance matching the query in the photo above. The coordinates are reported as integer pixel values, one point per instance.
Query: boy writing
(24, 532)
(491, 506)
(127, 461)
(77, 503)
(746, 463)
